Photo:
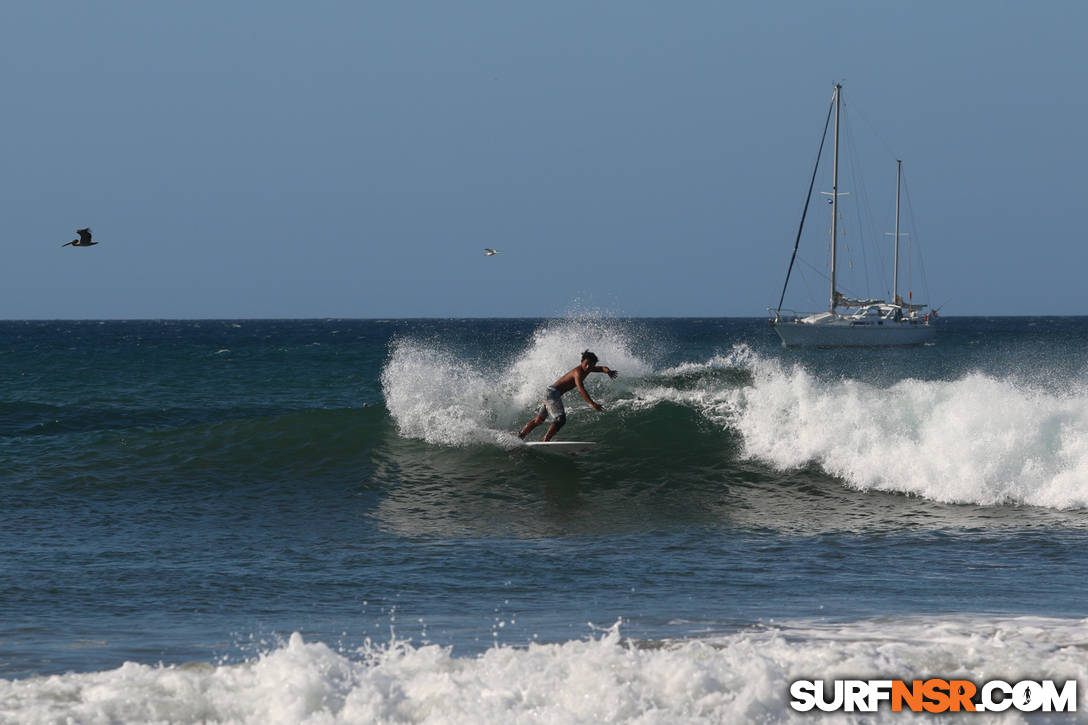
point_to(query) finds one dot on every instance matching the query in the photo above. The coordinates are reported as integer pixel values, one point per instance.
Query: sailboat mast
(835, 193)
(895, 265)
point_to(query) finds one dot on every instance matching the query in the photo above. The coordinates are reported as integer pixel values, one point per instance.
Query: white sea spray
(440, 397)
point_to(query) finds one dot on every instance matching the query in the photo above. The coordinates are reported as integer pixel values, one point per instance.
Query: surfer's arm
(604, 369)
(585, 394)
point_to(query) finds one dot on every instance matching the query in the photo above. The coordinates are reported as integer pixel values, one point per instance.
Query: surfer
(553, 398)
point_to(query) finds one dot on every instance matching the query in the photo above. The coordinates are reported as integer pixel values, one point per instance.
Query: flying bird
(84, 239)
(490, 252)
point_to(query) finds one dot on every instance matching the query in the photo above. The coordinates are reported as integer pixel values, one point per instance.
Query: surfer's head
(587, 355)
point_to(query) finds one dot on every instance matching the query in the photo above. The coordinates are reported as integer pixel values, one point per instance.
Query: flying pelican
(490, 252)
(84, 239)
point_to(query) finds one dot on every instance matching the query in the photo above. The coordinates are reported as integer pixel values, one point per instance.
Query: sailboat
(853, 322)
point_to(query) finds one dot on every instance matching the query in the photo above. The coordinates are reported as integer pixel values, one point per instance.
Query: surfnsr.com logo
(933, 695)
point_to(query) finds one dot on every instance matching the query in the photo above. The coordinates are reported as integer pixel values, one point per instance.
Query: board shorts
(553, 403)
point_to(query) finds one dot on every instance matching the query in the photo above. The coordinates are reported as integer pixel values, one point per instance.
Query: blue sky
(353, 159)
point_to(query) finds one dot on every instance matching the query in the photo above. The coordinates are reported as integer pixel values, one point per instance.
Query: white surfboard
(569, 448)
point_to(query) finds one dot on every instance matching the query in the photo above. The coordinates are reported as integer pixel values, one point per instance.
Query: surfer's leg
(554, 427)
(530, 425)
(541, 416)
(553, 404)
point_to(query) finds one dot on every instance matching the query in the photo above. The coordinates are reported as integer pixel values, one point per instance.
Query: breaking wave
(979, 439)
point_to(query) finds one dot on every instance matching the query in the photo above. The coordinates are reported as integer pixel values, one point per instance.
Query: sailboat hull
(802, 334)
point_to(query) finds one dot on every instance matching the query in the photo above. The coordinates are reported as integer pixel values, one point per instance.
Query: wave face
(742, 677)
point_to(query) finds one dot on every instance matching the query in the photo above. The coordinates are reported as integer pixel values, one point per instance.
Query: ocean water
(329, 521)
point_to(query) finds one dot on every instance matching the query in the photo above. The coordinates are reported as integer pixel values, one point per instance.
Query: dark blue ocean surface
(196, 491)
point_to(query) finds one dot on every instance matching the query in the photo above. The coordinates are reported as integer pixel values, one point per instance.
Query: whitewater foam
(741, 677)
(979, 439)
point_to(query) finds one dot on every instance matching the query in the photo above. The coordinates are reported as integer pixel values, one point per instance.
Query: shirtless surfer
(553, 398)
